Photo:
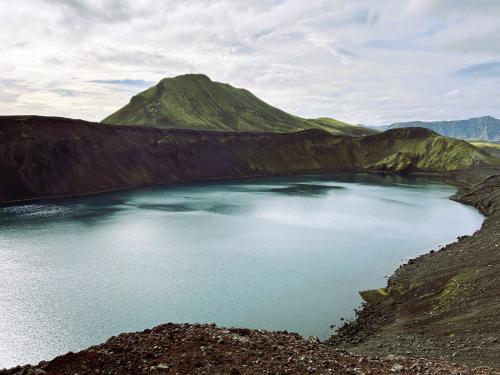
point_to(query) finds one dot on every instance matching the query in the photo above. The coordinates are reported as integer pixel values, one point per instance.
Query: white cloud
(452, 93)
(364, 62)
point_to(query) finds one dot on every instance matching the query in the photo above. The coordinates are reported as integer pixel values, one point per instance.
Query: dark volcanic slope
(444, 304)
(206, 349)
(194, 101)
(44, 156)
(486, 128)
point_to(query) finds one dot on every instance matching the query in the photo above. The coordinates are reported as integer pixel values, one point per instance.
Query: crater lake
(287, 253)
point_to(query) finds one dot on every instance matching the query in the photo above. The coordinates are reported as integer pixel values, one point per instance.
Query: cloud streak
(483, 70)
(124, 82)
(366, 62)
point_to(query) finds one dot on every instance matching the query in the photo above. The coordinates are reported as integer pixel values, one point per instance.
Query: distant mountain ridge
(194, 101)
(484, 128)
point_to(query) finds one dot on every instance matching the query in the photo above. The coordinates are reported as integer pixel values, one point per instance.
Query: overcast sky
(369, 62)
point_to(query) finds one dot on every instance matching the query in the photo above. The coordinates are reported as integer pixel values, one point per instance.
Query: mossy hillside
(193, 101)
(457, 288)
(343, 128)
(412, 149)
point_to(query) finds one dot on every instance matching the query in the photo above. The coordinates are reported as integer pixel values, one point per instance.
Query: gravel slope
(444, 304)
(206, 349)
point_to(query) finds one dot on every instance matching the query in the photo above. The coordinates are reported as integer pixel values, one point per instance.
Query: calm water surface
(282, 253)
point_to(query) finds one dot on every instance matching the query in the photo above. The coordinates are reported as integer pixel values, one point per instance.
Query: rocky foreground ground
(207, 349)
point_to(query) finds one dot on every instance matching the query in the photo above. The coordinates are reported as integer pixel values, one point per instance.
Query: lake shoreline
(364, 340)
(442, 304)
(445, 176)
(82, 157)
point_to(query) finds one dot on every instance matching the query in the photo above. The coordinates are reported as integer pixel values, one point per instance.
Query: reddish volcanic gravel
(207, 349)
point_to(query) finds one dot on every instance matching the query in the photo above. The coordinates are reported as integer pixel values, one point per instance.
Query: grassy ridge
(342, 128)
(413, 149)
(490, 147)
(193, 101)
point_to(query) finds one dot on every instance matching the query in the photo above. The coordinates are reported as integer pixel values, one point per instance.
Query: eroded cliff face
(46, 156)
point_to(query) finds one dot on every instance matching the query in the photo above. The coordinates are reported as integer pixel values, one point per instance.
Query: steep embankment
(444, 304)
(194, 101)
(419, 149)
(43, 156)
(485, 128)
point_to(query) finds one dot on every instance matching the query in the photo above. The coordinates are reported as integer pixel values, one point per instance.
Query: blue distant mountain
(485, 128)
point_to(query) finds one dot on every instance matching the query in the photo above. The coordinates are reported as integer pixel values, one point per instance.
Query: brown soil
(444, 304)
(206, 349)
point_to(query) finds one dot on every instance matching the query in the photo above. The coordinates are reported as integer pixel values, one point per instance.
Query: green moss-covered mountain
(193, 101)
(484, 128)
(339, 127)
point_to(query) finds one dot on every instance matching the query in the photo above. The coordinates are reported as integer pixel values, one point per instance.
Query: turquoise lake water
(271, 253)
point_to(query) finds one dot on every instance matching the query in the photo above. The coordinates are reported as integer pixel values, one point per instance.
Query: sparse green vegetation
(411, 149)
(374, 295)
(340, 127)
(489, 147)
